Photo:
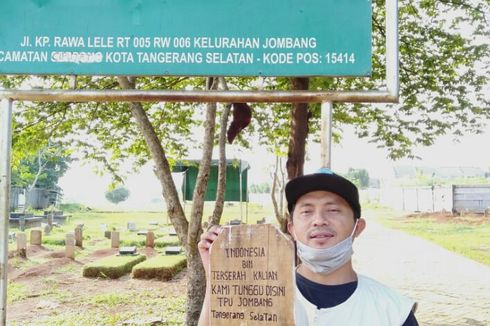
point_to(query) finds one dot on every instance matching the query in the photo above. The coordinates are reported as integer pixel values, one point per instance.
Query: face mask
(326, 260)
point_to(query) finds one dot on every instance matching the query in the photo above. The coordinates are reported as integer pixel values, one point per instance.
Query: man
(325, 217)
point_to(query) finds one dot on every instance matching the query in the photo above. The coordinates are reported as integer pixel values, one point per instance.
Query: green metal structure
(236, 179)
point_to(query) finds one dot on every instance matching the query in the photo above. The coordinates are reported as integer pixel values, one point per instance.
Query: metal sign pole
(326, 135)
(5, 149)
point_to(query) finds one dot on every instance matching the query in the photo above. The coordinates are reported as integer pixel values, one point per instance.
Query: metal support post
(5, 149)
(326, 135)
(241, 203)
(392, 73)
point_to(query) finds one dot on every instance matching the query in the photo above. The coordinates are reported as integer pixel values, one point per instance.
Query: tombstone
(107, 234)
(153, 223)
(22, 245)
(150, 240)
(36, 237)
(22, 222)
(142, 232)
(46, 228)
(235, 222)
(50, 218)
(70, 246)
(128, 250)
(114, 239)
(173, 250)
(254, 284)
(131, 226)
(172, 233)
(79, 237)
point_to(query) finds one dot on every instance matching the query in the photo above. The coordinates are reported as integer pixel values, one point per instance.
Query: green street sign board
(186, 37)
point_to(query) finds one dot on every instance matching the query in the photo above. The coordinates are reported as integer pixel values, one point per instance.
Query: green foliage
(72, 207)
(42, 169)
(112, 267)
(160, 267)
(117, 195)
(105, 133)
(444, 70)
(262, 188)
(360, 177)
(444, 74)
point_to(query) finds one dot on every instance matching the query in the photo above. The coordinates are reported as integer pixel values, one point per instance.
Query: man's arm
(207, 238)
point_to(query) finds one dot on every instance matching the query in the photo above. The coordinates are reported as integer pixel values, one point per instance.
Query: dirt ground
(446, 217)
(51, 272)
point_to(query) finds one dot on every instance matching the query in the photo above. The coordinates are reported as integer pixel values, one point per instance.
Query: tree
(443, 90)
(41, 170)
(117, 195)
(444, 75)
(359, 177)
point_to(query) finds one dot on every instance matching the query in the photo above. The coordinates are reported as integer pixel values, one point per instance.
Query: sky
(82, 185)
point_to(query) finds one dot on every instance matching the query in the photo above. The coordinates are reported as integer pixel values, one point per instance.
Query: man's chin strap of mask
(326, 260)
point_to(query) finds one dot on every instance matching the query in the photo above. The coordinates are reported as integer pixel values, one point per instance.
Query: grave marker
(70, 246)
(36, 237)
(172, 233)
(114, 239)
(22, 245)
(131, 226)
(128, 250)
(150, 239)
(79, 237)
(173, 250)
(252, 277)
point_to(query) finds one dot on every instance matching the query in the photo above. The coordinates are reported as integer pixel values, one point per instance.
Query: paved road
(451, 290)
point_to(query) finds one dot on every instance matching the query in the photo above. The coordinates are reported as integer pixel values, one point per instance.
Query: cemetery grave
(46, 280)
(112, 267)
(160, 267)
(45, 273)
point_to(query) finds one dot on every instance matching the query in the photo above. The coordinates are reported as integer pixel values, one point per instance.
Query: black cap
(323, 179)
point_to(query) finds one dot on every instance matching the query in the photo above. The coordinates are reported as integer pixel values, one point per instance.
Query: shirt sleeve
(411, 320)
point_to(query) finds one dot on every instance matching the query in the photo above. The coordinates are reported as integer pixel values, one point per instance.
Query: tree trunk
(174, 208)
(221, 189)
(278, 206)
(298, 132)
(196, 285)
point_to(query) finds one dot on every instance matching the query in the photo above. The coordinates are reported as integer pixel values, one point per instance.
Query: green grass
(114, 309)
(160, 267)
(111, 299)
(16, 292)
(460, 235)
(112, 267)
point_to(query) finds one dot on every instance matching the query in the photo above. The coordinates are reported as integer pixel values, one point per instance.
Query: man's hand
(207, 238)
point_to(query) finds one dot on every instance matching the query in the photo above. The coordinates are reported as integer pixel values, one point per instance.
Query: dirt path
(450, 289)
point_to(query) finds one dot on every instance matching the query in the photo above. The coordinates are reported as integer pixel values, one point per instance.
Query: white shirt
(371, 304)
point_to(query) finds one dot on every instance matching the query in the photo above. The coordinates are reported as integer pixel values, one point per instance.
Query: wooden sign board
(252, 277)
